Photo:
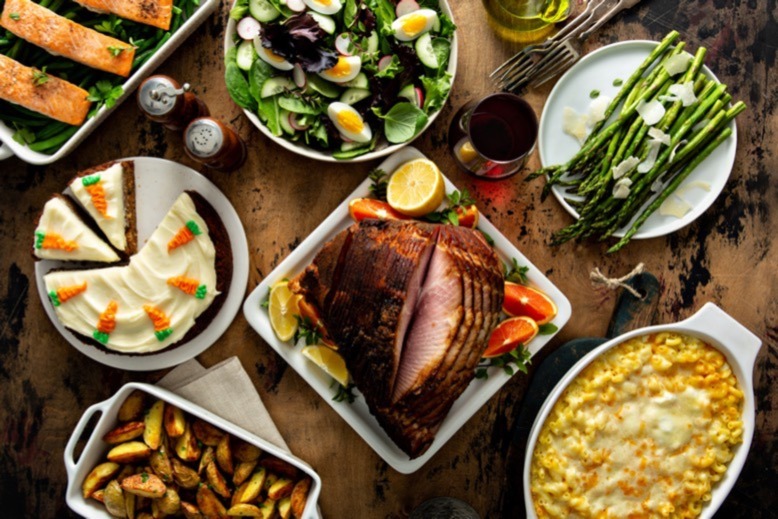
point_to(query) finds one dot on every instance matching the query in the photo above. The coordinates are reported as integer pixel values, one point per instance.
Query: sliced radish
(248, 28)
(298, 75)
(384, 62)
(419, 97)
(406, 6)
(344, 138)
(297, 125)
(343, 44)
(297, 6)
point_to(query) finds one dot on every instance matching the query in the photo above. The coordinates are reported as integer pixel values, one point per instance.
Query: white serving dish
(718, 329)
(9, 147)
(357, 414)
(597, 71)
(158, 183)
(95, 449)
(311, 153)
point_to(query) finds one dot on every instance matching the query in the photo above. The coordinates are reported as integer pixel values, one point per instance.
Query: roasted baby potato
(217, 481)
(281, 488)
(99, 476)
(207, 433)
(130, 503)
(152, 434)
(169, 504)
(300, 496)
(208, 456)
(224, 454)
(285, 508)
(268, 508)
(183, 475)
(161, 465)
(124, 433)
(278, 466)
(129, 452)
(190, 511)
(250, 490)
(244, 451)
(99, 495)
(145, 515)
(242, 471)
(187, 447)
(244, 510)
(144, 485)
(114, 499)
(210, 505)
(132, 407)
(174, 421)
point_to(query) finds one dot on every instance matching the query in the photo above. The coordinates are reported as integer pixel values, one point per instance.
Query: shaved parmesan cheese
(692, 185)
(683, 92)
(674, 206)
(657, 186)
(675, 149)
(677, 64)
(597, 109)
(653, 151)
(625, 166)
(621, 189)
(574, 124)
(659, 135)
(651, 112)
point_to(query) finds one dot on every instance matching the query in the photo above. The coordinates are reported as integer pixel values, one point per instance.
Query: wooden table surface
(727, 256)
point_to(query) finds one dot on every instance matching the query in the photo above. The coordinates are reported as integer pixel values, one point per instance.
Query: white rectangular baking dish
(718, 329)
(95, 449)
(357, 414)
(9, 147)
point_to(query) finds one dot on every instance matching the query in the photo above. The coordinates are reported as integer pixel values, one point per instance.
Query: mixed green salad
(45, 135)
(341, 76)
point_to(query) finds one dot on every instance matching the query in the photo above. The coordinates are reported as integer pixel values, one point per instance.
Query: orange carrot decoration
(63, 294)
(184, 235)
(52, 240)
(107, 323)
(94, 186)
(189, 286)
(161, 322)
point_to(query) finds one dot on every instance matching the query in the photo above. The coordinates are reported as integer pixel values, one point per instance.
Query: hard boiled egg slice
(270, 57)
(349, 123)
(324, 6)
(412, 25)
(344, 70)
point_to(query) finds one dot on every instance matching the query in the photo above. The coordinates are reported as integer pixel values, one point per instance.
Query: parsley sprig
(456, 199)
(516, 273)
(104, 94)
(344, 393)
(39, 77)
(306, 331)
(517, 359)
(379, 179)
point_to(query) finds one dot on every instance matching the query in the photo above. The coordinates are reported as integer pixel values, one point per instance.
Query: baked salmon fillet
(60, 36)
(42, 93)
(156, 13)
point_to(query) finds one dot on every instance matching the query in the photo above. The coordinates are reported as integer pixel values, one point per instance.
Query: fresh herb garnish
(144, 477)
(39, 77)
(379, 179)
(488, 238)
(456, 200)
(344, 393)
(110, 26)
(516, 273)
(14, 16)
(547, 329)
(103, 93)
(618, 82)
(594, 94)
(115, 51)
(307, 331)
(266, 302)
(517, 359)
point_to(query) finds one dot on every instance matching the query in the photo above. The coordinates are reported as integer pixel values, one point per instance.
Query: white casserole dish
(95, 449)
(9, 147)
(718, 329)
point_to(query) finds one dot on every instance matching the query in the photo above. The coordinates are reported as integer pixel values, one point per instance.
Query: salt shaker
(214, 144)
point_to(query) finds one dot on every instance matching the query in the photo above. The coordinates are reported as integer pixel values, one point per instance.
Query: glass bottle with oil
(525, 21)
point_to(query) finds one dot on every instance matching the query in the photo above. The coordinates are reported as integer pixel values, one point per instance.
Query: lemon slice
(328, 360)
(282, 310)
(416, 188)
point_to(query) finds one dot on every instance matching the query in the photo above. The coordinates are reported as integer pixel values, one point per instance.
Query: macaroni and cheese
(645, 430)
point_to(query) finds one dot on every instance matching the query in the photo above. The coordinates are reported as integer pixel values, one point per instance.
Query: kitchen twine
(598, 278)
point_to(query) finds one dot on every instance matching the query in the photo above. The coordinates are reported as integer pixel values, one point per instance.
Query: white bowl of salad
(341, 80)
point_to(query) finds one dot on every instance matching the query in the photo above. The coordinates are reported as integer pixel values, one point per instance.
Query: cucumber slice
(263, 10)
(322, 86)
(360, 81)
(276, 85)
(326, 23)
(408, 92)
(246, 55)
(426, 51)
(372, 42)
(349, 146)
(284, 120)
(354, 95)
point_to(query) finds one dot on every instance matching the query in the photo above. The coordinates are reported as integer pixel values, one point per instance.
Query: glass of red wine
(492, 137)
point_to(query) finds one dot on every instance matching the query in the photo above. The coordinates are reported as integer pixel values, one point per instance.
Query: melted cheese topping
(82, 244)
(646, 430)
(144, 284)
(113, 223)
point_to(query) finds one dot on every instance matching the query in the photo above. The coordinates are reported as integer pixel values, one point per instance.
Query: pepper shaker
(163, 100)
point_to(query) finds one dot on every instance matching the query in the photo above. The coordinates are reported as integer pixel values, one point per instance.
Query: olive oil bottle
(525, 21)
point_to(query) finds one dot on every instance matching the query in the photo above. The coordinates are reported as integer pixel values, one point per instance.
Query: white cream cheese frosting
(151, 303)
(62, 235)
(102, 195)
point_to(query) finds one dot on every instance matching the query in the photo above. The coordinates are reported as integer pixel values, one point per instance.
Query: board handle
(70, 461)
(5, 151)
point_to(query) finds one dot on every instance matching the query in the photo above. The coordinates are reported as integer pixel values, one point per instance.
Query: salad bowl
(380, 147)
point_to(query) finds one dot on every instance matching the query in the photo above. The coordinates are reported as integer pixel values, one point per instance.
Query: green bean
(55, 141)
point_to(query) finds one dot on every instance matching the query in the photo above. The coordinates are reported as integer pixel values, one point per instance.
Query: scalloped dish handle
(713, 321)
(70, 462)
(5, 151)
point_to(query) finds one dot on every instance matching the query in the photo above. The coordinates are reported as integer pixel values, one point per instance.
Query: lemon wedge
(282, 310)
(416, 188)
(328, 360)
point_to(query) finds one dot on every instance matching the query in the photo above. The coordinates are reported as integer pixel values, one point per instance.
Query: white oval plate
(311, 153)
(597, 71)
(158, 182)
